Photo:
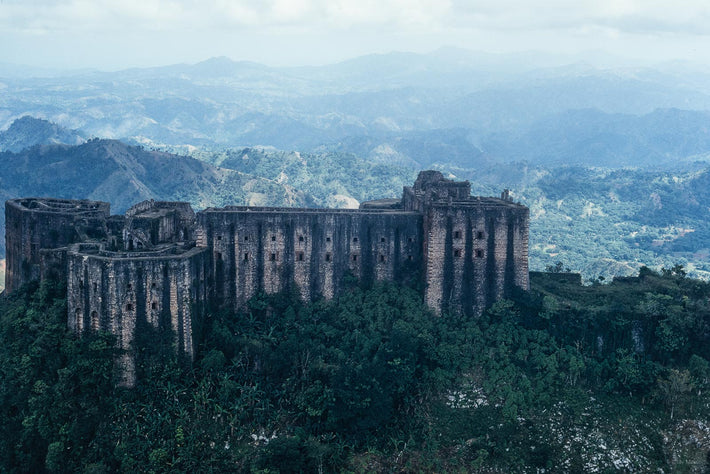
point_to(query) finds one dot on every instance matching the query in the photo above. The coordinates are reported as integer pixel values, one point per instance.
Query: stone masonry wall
(120, 292)
(33, 224)
(308, 251)
(161, 264)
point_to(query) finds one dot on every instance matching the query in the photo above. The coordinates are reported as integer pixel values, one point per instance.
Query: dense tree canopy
(372, 382)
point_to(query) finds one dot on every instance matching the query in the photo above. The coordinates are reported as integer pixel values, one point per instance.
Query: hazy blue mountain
(28, 131)
(450, 106)
(593, 137)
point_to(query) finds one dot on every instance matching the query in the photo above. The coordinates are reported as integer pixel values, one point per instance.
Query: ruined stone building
(163, 264)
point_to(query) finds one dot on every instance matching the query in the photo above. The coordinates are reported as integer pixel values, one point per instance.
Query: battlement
(162, 264)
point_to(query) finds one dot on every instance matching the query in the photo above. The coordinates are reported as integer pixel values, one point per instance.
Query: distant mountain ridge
(450, 106)
(28, 131)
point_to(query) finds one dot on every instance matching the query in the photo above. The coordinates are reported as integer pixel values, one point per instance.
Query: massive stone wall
(121, 292)
(476, 253)
(306, 250)
(34, 224)
(161, 264)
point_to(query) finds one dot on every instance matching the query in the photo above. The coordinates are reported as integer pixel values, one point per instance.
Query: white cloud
(264, 29)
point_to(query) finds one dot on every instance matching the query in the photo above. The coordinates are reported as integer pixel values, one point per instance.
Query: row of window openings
(129, 307)
(129, 286)
(459, 253)
(355, 239)
(300, 257)
(153, 305)
(458, 234)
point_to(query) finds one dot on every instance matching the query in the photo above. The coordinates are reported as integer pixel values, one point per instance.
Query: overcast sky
(113, 34)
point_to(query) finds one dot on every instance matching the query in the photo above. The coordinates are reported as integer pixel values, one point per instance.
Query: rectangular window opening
(246, 256)
(300, 256)
(479, 253)
(272, 257)
(457, 253)
(354, 257)
(457, 234)
(382, 258)
(327, 257)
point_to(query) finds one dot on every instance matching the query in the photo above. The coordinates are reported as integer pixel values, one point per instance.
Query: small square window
(246, 256)
(409, 257)
(479, 253)
(246, 238)
(355, 257)
(219, 237)
(383, 240)
(129, 307)
(457, 234)
(355, 239)
(154, 305)
(300, 256)
(479, 235)
(457, 253)
(218, 255)
(382, 258)
(410, 240)
(300, 238)
(327, 239)
(273, 238)
(129, 286)
(272, 257)
(327, 257)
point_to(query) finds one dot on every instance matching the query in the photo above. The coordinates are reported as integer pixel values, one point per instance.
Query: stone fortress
(163, 264)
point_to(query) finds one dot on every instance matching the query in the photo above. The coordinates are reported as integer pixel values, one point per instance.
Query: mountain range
(447, 107)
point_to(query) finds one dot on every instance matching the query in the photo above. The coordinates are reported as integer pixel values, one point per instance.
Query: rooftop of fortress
(82, 208)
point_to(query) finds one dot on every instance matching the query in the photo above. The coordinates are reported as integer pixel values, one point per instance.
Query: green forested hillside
(565, 378)
(598, 221)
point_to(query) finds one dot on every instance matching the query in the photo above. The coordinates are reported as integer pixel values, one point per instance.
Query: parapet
(81, 208)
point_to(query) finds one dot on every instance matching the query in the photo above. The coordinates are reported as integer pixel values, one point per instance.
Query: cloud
(624, 16)
(141, 31)
(87, 15)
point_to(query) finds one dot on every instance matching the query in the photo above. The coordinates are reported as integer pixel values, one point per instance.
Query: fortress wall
(33, 224)
(471, 254)
(306, 251)
(120, 294)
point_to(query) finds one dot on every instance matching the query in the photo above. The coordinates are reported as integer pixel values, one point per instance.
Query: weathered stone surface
(161, 264)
